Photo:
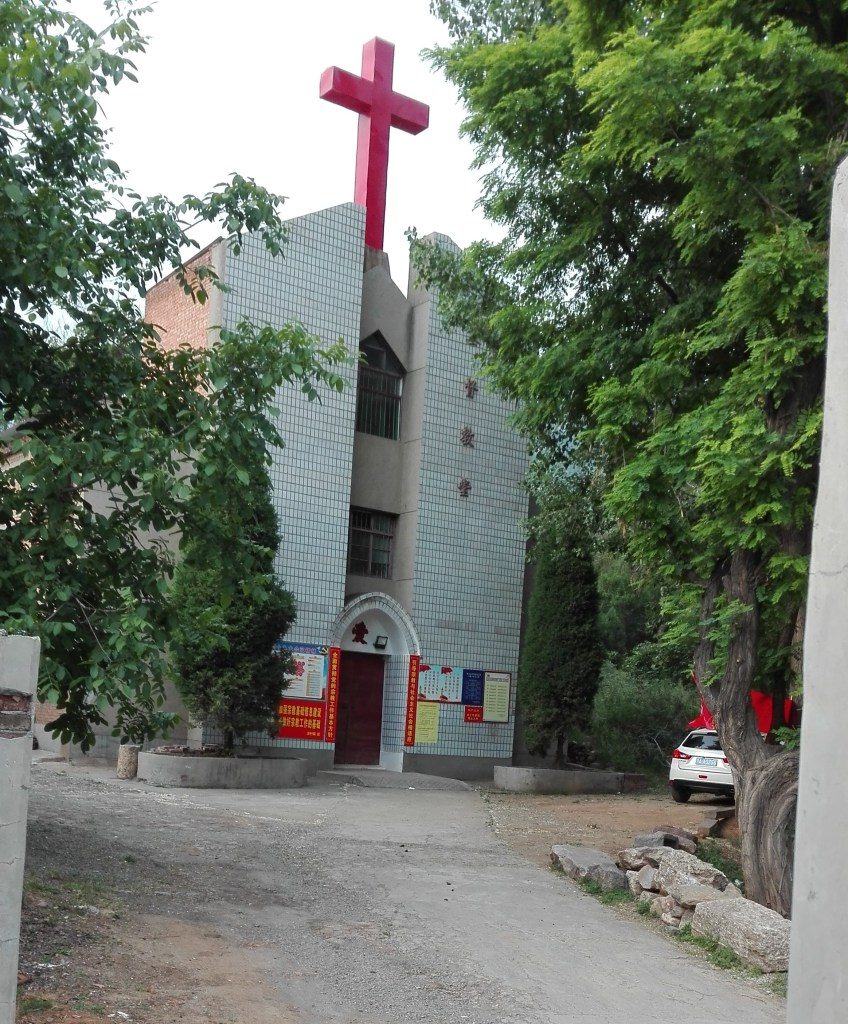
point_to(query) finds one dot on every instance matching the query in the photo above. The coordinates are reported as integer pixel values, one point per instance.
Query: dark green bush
(561, 656)
(230, 611)
(641, 711)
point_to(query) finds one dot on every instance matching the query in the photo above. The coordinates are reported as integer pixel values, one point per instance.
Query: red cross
(379, 109)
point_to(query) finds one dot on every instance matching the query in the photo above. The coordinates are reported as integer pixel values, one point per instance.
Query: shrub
(230, 612)
(562, 655)
(641, 711)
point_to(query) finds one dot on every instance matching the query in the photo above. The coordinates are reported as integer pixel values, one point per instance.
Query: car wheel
(679, 795)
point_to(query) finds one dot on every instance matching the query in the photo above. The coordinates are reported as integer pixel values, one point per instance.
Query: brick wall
(45, 713)
(176, 316)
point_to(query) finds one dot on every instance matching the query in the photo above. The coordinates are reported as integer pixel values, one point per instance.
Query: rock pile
(673, 882)
(661, 870)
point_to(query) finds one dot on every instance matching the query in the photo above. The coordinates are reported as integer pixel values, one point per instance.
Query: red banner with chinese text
(301, 719)
(411, 700)
(334, 668)
(473, 713)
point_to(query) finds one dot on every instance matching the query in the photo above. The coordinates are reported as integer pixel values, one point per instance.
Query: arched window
(379, 389)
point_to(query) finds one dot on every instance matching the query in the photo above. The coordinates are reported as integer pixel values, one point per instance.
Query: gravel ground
(531, 824)
(338, 903)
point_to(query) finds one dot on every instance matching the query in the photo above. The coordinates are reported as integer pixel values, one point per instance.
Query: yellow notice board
(427, 722)
(496, 688)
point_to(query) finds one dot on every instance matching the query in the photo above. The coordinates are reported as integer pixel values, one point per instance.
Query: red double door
(360, 710)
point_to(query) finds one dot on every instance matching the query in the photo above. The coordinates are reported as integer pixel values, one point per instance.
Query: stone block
(633, 882)
(663, 837)
(584, 864)
(633, 858)
(676, 830)
(646, 877)
(662, 905)
(127, 767)
(691, 894)
(553, 780)
(654, 838)
(757, 935)
(678, 868)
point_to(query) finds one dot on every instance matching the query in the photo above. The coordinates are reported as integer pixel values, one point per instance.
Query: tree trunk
(766, 779)
(765, 808)
(561, 749)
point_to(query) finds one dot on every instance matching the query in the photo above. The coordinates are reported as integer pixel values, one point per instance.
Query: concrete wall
(453, 766)
(222, 772)
(105, 744)
(818, 992)
(551, 780)
(19, 657)
(385, 473)
(377, 473)
(385, 309)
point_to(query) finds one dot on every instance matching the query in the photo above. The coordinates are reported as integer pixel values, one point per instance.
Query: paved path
(368, 904)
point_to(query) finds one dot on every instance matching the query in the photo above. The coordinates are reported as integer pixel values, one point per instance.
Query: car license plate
(709, 762)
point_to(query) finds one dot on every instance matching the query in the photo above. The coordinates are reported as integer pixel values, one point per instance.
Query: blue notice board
(472, 685)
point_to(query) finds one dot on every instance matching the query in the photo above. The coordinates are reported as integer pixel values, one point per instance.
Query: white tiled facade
(465, 554)
(470, 551)
(318, 283)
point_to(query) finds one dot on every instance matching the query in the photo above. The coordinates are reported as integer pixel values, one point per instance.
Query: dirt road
(334, 904)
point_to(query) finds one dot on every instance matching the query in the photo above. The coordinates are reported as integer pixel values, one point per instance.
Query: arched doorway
(377, 638)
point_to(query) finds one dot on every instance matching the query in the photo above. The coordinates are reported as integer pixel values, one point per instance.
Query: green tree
(229, 609)
(105, 432)
(663, 173)
(561, 657)
(628, 604)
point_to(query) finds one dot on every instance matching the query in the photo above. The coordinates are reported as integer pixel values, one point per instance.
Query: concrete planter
(571, 780)
(222, 772)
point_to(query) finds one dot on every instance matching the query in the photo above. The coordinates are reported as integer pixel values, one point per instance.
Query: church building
(400, 501)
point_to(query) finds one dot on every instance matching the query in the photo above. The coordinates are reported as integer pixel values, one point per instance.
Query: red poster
(411, 700)
(334, 667)
(301, 719)
(473, 713)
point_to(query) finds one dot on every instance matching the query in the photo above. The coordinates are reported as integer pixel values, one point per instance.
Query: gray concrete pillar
(18, 675)
(818, 965)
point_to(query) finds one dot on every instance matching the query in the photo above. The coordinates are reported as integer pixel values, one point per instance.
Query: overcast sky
(232, 85)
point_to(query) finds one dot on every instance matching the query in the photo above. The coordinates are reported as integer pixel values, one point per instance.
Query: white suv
(698, 765)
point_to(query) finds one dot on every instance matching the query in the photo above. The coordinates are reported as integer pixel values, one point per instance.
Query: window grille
(379, 389)
(370, 543)
(378, 403)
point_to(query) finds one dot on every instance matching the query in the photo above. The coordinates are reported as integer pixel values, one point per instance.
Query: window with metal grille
(370, 537)
(379, 390)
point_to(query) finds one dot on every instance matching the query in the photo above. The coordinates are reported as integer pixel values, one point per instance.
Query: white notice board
(309, 679)
(496, 690)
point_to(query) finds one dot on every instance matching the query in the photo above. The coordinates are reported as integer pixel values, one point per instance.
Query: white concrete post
(818, 963)
(18, 676)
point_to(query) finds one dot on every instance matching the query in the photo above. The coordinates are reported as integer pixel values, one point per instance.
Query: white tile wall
(469, 563)
(318, 282)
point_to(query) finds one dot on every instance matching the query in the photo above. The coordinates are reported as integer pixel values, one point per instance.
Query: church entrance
(360, 709)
